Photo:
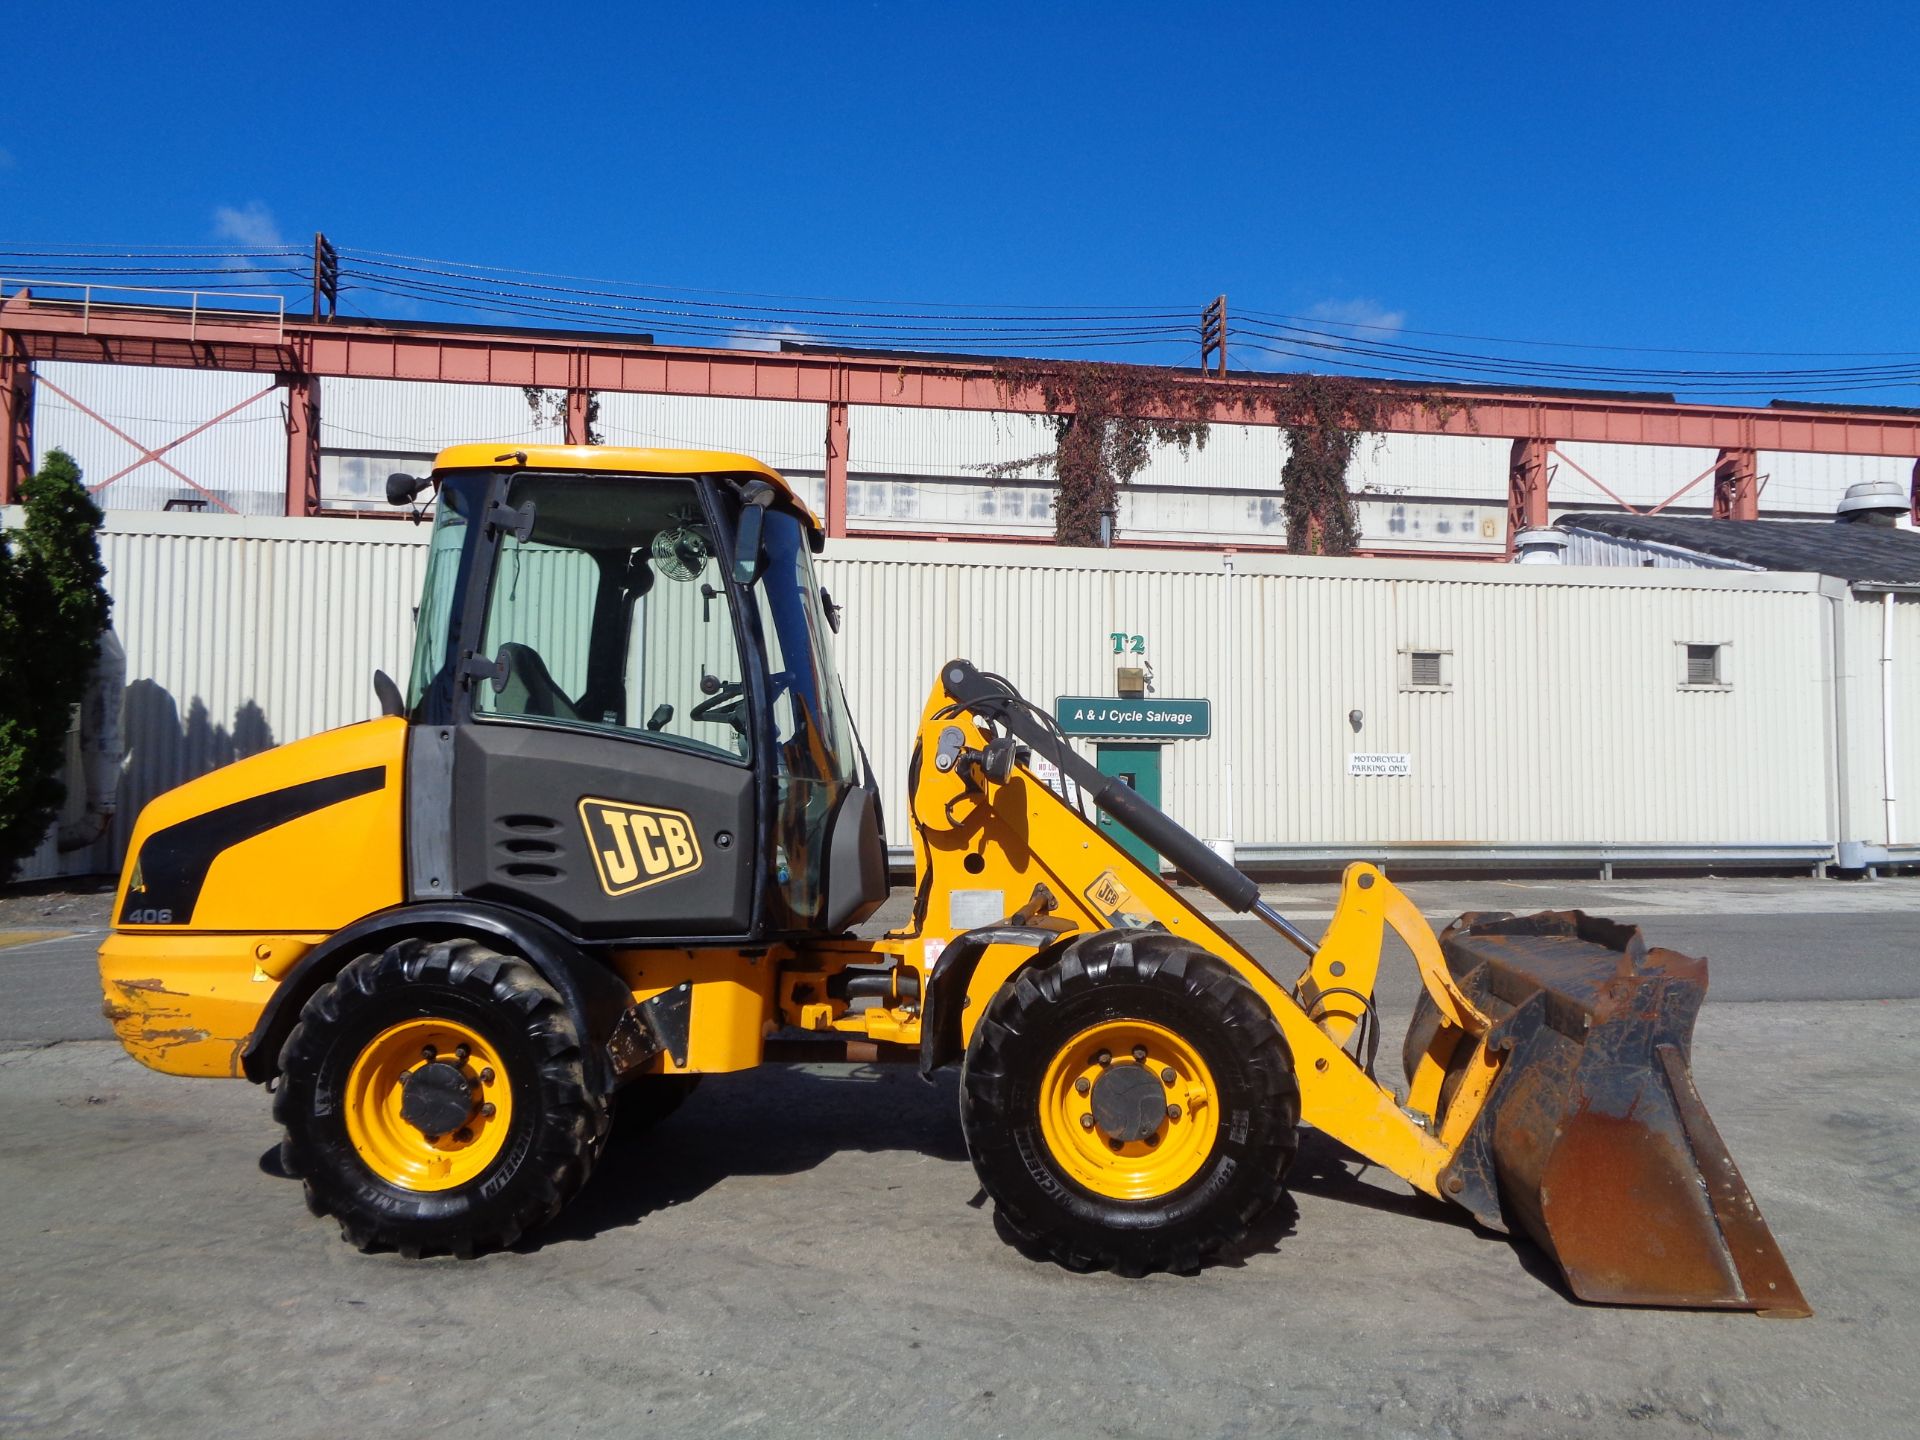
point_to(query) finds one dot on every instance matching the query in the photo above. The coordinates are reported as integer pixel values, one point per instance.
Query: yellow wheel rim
(1087, 1085)
(393, 1146)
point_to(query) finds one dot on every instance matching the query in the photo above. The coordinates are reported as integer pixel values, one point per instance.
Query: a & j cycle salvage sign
(1103, 717)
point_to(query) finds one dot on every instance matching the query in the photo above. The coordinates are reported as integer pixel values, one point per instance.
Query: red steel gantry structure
(299, 354)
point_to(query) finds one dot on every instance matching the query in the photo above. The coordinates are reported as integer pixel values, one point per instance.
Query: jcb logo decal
(635, 846)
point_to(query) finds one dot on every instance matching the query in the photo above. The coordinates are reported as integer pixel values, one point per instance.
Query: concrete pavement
(803, 1251)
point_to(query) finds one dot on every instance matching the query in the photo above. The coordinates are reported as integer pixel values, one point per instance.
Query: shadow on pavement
(1329, 1170)
(776, 1120)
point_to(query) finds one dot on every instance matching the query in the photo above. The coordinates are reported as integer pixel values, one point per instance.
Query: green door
(1137, 766)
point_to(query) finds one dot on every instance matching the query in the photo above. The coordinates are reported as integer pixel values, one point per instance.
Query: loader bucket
(1592, 1138)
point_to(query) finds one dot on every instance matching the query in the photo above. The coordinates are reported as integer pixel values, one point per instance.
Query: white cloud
(251, 225)
(743, 339)
(1367, 315)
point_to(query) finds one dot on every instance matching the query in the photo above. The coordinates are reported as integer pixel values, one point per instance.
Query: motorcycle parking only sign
(1379, 765)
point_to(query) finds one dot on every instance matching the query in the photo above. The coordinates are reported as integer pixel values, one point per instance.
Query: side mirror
(746, 545)
(830, 610)
(401, 488)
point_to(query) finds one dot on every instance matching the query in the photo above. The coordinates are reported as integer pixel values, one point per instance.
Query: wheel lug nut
(460, 1053)
(1086, 1122)
(1152, 1140)
(463, 1134)
(487, 1109)
(486, 1076)
(1173, 1112)
(1140, 1054)
(427, 1052)
(406, 1077)
(1167, 1077)
(1114, 1143)
(1104, 1058)
(1083, 1085)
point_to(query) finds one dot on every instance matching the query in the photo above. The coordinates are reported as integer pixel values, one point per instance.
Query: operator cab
(623, 693)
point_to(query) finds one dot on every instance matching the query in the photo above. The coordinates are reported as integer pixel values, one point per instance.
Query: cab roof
(624, 459)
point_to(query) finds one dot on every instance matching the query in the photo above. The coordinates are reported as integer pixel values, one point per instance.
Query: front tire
(1130, 1105)
(435, 1100)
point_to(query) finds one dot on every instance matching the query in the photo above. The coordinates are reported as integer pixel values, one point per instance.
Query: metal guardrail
(91, 299)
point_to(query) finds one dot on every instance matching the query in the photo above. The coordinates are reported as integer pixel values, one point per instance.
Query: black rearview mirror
(746, 545)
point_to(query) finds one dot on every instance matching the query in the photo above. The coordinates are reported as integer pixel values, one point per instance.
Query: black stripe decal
(173, 862)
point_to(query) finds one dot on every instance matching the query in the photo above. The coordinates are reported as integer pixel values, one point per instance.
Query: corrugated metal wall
(1865, 772)
(1591, 547)
(426, 416)
(242, 460)
(1813, 484)
(1565, 723)
(243, 633)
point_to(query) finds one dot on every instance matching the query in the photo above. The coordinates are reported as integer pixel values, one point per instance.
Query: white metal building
(1526, 715)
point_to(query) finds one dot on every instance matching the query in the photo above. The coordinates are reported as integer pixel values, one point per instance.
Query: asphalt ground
(805, 1250)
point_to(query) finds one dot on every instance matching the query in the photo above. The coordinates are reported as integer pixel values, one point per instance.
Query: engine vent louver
(528, 850)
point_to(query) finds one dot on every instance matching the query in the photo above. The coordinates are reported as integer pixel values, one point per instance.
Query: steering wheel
(726, 706)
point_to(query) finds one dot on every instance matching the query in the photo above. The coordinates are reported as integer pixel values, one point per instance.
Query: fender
(593, 994)
(953, 972)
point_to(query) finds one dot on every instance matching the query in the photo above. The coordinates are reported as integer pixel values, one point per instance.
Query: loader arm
(1526, 1030)
(984, 847)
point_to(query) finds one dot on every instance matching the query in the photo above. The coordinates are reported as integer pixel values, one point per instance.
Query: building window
(357, 480)
(1703, 667)
(1426, 669)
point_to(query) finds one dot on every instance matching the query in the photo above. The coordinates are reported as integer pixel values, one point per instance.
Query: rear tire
(505, 1083)
(1140, 1188)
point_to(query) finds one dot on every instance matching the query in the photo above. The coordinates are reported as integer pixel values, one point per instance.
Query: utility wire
(1336, 326)
(734, 317)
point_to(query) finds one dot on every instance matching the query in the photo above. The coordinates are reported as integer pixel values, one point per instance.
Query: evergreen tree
(53, 610)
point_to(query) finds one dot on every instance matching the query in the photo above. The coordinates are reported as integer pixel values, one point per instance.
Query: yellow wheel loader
(617, 833)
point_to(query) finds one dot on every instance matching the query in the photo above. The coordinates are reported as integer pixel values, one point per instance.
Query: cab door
(601, 768)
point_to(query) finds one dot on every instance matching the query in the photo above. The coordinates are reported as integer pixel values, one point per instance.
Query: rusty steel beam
(388, 350)
(579, 403)
(1527, 478)
(1736, 486)
(16, 421)
(303, 443)
(838, 439)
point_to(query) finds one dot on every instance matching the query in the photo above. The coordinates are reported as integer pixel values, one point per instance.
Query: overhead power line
(1166, 333)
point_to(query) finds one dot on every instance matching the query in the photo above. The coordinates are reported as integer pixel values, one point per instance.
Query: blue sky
(1738, 178)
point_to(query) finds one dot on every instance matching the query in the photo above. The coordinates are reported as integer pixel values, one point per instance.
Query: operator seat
(530, 689)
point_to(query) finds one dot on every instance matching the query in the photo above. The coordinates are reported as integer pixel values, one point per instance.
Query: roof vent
(1540, 547)
(1871, 502)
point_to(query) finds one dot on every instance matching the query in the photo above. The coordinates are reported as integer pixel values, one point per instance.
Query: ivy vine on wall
(1106, 420)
